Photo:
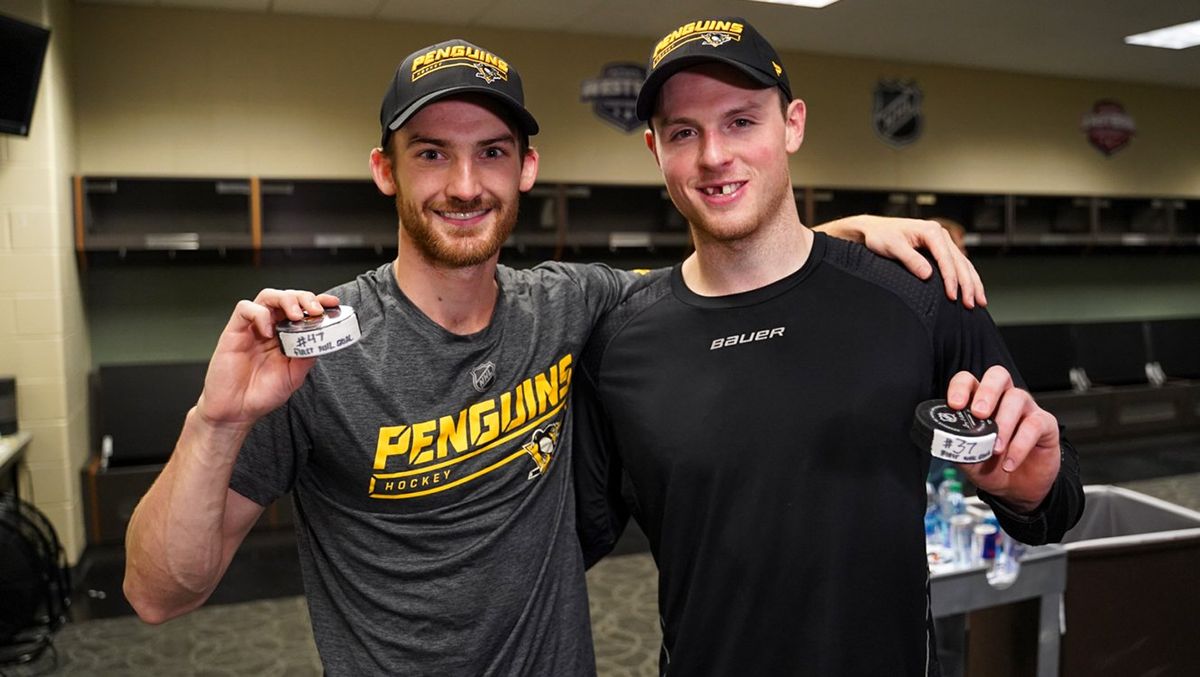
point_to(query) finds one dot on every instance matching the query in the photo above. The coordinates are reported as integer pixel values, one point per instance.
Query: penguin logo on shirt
(483, 375)
(541, 447)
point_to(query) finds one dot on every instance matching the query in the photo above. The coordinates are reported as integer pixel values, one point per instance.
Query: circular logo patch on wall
(1108, 127)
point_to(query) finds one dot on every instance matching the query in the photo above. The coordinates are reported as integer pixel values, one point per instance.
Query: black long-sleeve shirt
(761, 440)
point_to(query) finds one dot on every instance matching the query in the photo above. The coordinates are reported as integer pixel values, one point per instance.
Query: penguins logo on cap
(715, 39)
(486, 73)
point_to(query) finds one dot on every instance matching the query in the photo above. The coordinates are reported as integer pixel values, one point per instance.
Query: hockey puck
(953, 435)
(318, 335)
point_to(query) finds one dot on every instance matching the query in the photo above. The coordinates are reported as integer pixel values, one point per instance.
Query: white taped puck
(337, 328)
(953, 435)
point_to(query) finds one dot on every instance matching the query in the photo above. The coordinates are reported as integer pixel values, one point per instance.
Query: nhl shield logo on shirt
(483, 375)
(896, 112)
(1108, 127)
(613, 95)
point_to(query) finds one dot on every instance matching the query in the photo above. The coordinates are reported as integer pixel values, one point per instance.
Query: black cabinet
(1133, 222)
(119, 214)
(327, 214)
(1023, 221)
(622, 217)
(828, 204)
(1050, 220)
(320, 216)
(1185, 221)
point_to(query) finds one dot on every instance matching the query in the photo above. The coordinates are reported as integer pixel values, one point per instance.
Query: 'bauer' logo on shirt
(750, 337)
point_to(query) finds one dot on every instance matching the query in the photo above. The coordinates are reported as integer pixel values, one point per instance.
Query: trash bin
(1132, 603)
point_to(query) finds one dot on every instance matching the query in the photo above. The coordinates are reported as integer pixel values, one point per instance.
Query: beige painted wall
(182, 92)
(45, 343)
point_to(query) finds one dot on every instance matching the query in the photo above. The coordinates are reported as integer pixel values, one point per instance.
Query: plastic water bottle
(1007, 565)
(933, 532)
(950, 503)
(943, 520)
(943, 487)
(962, 528)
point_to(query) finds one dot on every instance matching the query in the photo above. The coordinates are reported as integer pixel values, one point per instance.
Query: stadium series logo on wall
(613, 95)
(1108, 127)
(896, 112)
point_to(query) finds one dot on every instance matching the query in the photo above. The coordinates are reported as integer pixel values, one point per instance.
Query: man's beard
(450, 249)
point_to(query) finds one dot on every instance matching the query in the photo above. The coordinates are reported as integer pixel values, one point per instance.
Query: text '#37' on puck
(951, 434)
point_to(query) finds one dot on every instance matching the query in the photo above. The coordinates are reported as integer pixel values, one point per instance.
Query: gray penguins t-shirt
(432, 482)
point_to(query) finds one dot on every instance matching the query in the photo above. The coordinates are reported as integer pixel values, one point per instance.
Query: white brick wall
(39, 287)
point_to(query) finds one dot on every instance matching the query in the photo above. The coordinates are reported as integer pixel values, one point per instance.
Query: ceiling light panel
(1181, 36)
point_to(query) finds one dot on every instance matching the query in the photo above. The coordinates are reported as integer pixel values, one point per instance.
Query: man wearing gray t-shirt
(429, 462)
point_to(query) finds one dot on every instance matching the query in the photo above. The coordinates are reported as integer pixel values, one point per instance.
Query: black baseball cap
(730, 40)
(447, 68)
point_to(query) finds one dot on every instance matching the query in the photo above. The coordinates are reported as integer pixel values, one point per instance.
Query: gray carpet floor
(273, 637)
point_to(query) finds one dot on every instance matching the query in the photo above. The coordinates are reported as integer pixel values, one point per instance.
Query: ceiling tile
(1071, 38)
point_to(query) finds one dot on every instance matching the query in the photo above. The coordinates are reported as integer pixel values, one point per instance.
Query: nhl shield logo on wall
(1108, 127)
(896, 112)
(483, 375)
(613, 95)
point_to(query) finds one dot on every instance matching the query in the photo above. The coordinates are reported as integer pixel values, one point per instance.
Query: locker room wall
(203, 93)
(187, 92)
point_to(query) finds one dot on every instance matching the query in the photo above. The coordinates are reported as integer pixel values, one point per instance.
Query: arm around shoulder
(900, 238)
(601, 514)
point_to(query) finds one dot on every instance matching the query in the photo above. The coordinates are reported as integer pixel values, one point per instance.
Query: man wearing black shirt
(751, 406)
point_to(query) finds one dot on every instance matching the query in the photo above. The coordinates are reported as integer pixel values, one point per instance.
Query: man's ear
(529, 169)
(793, 121)
(381, 171)
(651, 144)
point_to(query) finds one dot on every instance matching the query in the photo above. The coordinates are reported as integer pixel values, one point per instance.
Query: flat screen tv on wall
(22, 52)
